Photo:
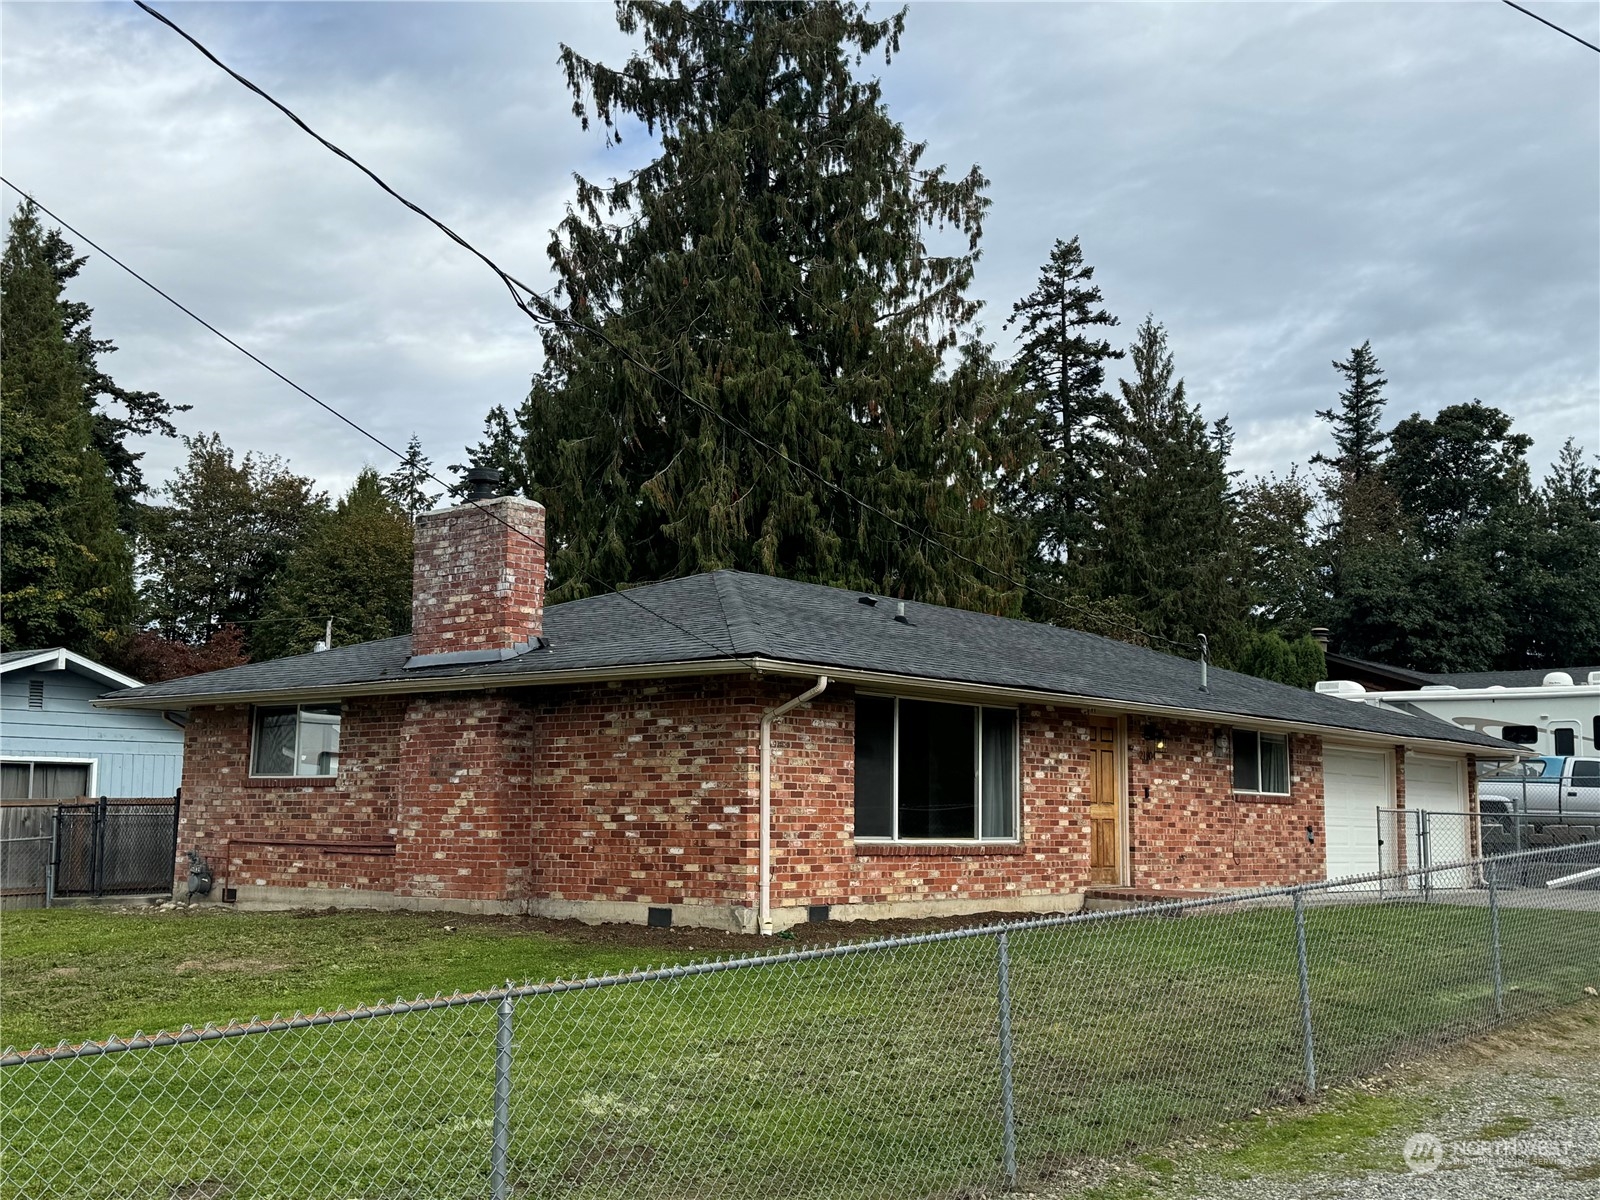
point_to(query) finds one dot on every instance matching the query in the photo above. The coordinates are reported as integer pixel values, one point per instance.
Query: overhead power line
(362, 430)
(1552, 24)
(544, 310)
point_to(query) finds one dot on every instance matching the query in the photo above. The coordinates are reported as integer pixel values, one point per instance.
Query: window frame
(894, 837)
(35, 760)
(1233, 765)
(256, 710)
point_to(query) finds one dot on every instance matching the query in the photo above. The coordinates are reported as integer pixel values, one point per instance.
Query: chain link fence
(947, 1064)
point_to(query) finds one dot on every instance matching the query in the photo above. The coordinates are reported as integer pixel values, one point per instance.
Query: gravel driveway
(1513, 1115)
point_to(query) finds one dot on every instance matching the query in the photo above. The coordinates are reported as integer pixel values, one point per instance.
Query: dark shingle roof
(730, 614)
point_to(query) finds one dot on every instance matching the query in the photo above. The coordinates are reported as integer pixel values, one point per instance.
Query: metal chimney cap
(483, 483)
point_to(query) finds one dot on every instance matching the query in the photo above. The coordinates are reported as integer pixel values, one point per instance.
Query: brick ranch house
(744, 752)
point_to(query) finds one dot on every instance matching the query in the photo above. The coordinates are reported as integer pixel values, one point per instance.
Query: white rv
(1559, 717)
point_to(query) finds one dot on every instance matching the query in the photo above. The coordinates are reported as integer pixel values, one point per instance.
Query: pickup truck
(1546, 787)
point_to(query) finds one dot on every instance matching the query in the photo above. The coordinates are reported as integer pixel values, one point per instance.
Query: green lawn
(862, 1076)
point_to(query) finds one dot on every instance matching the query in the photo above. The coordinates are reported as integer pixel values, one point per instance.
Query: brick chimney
(477, 578)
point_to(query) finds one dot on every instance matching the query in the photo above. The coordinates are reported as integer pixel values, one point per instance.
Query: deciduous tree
(353, 567)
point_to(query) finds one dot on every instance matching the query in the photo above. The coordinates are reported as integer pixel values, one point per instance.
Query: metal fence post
(1494, 941)
(1008, 1111)
(1305, 991)
(500, 1145)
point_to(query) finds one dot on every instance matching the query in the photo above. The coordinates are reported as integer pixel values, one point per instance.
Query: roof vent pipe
(482, 483)
(1205, 650)
(1319, 635)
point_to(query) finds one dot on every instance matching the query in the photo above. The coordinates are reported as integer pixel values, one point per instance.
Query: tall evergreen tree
(1066, 419)
(353, 566)
(211, 554)
(1279, 555)
(1552, 575)
(410, 484)
(1435, 595)
(1170, 544)
(68, 572)
(767, 273)
(1358, 421)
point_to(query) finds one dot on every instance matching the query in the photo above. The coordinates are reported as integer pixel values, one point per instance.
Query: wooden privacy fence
(85, 848)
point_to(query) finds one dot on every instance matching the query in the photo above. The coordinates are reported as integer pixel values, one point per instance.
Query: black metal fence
(86, 849)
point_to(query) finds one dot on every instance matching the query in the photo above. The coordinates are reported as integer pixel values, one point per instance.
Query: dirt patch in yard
(236, 966)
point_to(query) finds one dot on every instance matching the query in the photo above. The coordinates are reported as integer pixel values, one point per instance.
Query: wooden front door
(1105, 823)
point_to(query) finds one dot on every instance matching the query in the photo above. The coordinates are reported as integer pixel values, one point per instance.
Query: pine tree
(353, 567)
(409, 484)
(767, 275)
(1357, 422)
(1552, 569)
(1066, 417)
(68, 572)
(210, 555)
(1170, 546)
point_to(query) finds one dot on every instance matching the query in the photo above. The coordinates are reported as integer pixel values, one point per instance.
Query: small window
(1522, 735)
(931, 771)
(1587, 770)
(1564, 742)
(301, 740)
(1260, 762)
(35, 693)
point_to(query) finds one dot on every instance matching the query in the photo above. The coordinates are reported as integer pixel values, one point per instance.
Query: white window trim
(52, 760)
(894, 838)
(255, 710)
(1288, 762)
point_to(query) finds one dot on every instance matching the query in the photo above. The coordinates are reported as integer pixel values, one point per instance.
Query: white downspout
(764, 900)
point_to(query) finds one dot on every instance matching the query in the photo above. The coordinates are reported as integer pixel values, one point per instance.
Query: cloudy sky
(1275, 182)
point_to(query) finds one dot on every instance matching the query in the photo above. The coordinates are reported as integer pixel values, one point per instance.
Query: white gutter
(764, 900)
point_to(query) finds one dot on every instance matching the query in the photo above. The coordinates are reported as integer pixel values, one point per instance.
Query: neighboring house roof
(1365, 671)
(721, 620)
(61, 659)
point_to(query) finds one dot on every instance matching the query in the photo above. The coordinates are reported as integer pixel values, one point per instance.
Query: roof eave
(914, 684)
(935, 688)
(465, 683)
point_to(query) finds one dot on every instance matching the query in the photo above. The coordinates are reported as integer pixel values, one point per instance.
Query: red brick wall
(466, 819)
(477, 581)
(645, 793)
(1189, 829)
(251, 830)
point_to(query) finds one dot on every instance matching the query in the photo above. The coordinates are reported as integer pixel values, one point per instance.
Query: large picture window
(297, 740)
(1260, 762)
(935, 771)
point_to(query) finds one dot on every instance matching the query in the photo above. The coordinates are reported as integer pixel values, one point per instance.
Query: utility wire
(87, 240)
(549, 312)
(1543, 21)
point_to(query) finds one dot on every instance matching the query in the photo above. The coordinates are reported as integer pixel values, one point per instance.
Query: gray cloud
(1275, 182)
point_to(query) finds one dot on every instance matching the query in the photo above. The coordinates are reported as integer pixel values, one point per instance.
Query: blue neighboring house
(55, 745)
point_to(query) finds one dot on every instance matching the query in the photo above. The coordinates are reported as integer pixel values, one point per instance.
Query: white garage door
(1355, 784)
(1438, 786)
